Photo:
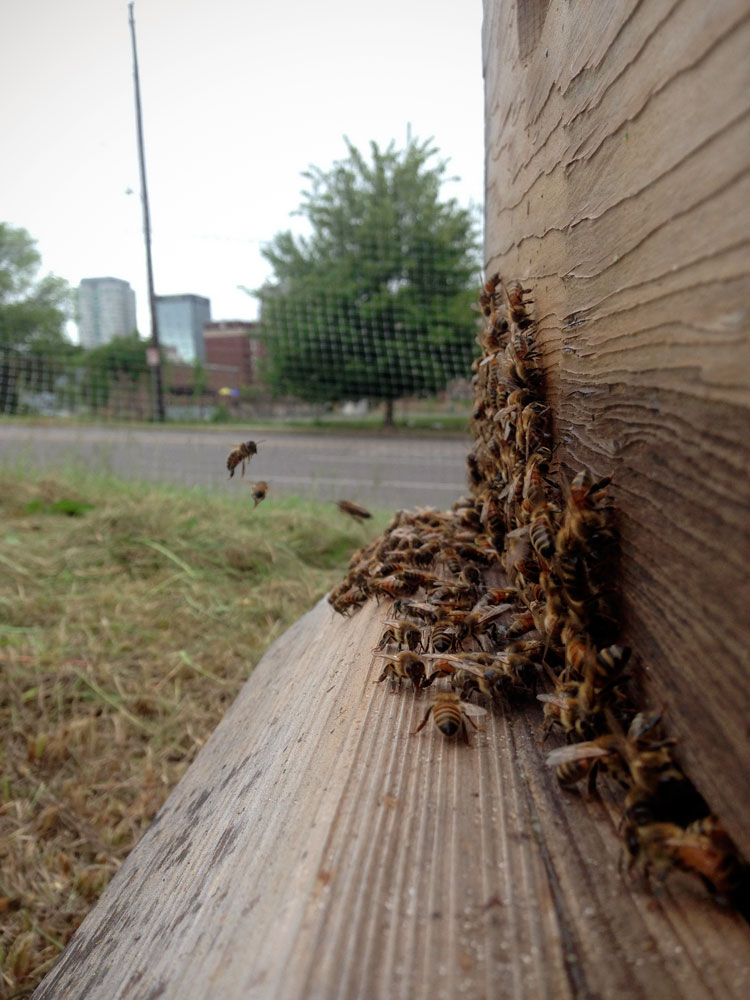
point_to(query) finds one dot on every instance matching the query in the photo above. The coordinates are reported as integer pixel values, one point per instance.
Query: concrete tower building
(106, 309)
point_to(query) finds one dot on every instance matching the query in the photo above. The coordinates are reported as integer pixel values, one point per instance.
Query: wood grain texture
(618, 190)
(316, 849)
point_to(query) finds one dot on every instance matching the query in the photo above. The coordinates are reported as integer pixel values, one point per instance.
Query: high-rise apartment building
(181, 319)
(106, 309)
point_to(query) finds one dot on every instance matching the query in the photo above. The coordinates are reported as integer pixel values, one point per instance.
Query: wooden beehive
(618, 139)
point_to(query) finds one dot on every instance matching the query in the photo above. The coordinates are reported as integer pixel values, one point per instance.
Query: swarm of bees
(509, 591)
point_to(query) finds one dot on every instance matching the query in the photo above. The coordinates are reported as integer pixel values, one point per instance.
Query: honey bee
(499, 595)
(427, 613)
(517, 300)
(423, 555)
(405, 665)
(586, 516)
(452, 560)
(493, 517)
(575, 762)
(541, 533)
(446, 636)
(475, 554)
(242, 453)
(353, 510)
(349, 600)
(449, 714)
(478, 621)
(259, 492)
(402, 633)
(393, 586)
(524, 623)
(703, 848)
(419, 578)
(495, 675)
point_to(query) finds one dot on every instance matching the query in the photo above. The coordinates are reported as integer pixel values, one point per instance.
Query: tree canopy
(375, 301)
(33, 309)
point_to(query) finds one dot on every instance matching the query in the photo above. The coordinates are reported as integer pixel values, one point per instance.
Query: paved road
(389, 472)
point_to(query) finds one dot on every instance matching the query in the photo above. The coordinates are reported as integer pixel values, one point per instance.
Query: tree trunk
(388, 418)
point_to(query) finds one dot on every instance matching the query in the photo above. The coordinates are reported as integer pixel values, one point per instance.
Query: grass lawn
(129, 618)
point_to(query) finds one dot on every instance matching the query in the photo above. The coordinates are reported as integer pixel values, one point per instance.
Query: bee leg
(423, 723)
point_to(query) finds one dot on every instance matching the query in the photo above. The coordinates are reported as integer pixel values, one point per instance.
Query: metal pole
(153, 354)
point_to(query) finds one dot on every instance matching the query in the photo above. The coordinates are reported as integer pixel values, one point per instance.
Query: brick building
(235, 343)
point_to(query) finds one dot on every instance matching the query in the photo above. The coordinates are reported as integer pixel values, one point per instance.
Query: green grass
(129, 618)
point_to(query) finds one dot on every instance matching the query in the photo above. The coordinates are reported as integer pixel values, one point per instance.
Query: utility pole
(153, 354)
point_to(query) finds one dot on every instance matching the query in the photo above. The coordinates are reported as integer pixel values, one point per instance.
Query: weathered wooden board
(316, 849)
(618, 190)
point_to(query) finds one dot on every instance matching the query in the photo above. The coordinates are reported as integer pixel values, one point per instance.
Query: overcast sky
(239, 97)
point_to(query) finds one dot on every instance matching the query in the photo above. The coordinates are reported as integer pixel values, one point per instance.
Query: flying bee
(242, 453)
(353, 510)
(449, 714)
(405, 665)
(259, 492)
(402, 633)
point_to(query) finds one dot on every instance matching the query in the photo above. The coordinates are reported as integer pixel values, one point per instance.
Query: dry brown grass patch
(129, 618)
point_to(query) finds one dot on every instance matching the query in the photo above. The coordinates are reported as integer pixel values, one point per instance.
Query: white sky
(239, 97)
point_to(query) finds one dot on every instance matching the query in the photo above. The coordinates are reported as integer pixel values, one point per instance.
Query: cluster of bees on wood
(510, 591)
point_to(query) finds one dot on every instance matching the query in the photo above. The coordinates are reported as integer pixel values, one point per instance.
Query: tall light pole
(153, 354)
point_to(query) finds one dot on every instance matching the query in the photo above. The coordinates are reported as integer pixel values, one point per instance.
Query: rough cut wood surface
(315, 849)
(618, 190)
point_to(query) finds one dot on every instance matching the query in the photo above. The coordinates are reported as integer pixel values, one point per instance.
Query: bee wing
(576, 751)
(642, 723)
(476, 711)
(444, 658)
(554, 699)
(494, 613)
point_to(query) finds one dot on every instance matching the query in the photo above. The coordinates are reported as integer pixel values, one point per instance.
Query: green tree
(117, 368)
(376, 301)
(34, 350)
